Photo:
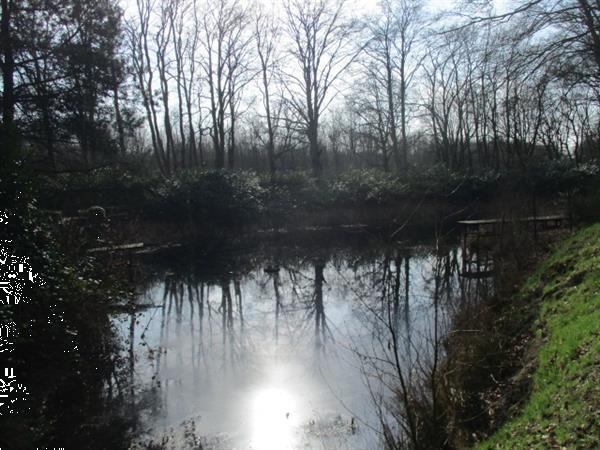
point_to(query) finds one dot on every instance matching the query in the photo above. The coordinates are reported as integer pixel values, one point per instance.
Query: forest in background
(177, 85)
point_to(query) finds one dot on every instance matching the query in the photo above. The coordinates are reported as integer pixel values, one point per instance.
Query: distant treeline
(177, 85)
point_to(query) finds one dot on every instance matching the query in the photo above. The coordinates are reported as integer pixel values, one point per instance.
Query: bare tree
(494, 90)
(567, 30)
(138, 34)
(162, 38)
(8, 103)
(370, 104)
(226, 44)
(397, 37)
(266, 33)
(176, 17)
(321, 50)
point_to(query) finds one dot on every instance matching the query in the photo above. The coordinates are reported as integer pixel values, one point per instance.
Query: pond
(286, 345)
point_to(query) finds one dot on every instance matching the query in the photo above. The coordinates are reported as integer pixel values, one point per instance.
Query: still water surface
(284, 347)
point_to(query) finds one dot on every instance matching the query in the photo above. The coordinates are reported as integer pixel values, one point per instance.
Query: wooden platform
(115, 248)
(477, 231)
(554, 221)
(495, 227)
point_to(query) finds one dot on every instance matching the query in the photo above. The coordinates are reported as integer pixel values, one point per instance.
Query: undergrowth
(65, 349)
(228, 197)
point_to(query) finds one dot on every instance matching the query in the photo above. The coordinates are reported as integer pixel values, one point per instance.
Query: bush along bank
(562, 409)
(59, 342)
(232, 199)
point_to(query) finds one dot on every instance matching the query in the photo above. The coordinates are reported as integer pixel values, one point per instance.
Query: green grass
(563, 410)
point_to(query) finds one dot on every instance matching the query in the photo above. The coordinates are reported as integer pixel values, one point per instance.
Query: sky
(362, 6)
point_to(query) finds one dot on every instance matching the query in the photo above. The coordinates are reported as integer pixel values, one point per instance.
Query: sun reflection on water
(274, 420)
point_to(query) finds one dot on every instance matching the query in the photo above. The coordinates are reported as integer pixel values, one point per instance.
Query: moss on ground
(563, 410)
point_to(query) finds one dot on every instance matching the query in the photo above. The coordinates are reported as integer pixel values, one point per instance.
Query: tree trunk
(9, 138)
(117, 106)
(315, 151)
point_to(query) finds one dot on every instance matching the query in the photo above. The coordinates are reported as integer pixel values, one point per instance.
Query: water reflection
(294, 351)
(274, 419)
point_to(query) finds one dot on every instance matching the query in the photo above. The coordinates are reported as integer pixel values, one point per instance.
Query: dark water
(286, 346)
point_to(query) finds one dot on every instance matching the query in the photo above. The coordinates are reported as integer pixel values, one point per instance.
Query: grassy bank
(563, 409)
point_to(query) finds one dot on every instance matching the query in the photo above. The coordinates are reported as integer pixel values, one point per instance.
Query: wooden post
(534, 217)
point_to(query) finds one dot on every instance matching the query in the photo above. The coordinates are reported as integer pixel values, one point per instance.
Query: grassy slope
(563, 410)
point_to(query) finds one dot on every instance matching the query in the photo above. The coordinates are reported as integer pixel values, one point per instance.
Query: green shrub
(218, 197)
(223, 197)
(66, 347)
(367, 186)
(586, 205)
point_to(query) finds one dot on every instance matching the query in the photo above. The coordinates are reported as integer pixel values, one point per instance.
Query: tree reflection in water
(316, 347)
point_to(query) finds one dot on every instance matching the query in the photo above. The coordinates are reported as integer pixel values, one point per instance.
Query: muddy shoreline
(408, 220)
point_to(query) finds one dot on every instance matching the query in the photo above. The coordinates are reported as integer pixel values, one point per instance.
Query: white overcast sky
(356, 6)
